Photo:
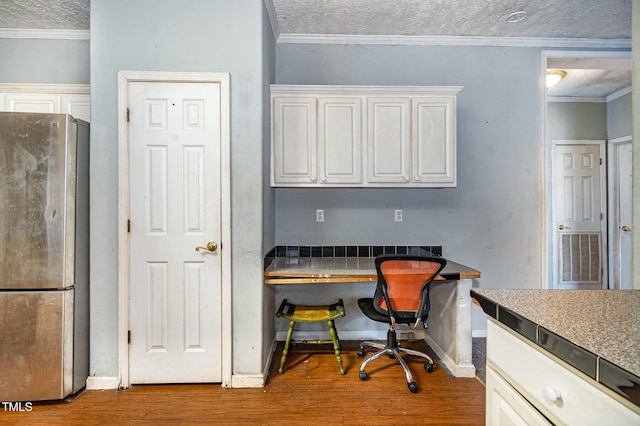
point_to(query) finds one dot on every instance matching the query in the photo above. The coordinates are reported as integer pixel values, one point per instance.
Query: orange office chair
(401, 297)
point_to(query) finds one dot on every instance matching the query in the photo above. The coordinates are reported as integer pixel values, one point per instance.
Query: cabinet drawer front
(505, 406)
(540, 379)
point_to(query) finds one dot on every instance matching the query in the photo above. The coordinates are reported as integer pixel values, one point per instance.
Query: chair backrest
(403, 285)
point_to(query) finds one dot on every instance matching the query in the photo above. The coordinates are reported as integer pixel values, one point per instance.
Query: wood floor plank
(310, 392)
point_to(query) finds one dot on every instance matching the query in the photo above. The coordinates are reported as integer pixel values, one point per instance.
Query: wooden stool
(308, 313)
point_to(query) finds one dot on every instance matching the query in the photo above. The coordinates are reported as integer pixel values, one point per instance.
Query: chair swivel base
(393, 349)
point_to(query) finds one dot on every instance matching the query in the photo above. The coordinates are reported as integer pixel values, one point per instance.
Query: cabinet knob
(406, 178)
(552, 393)
(324, 179)
(313, 179)
(416, 178)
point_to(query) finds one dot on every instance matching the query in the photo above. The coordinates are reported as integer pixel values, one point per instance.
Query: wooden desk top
(313, 270)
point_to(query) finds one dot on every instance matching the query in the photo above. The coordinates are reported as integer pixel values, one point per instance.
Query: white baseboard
(458, 370)
(247, 381)
(102, 383)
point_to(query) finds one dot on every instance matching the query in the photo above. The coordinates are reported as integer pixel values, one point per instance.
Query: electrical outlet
(398, 215)
(319, 215)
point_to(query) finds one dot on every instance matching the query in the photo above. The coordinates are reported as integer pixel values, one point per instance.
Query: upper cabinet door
(433, 136)
(340, 140)
(388, 139)
(294, 140)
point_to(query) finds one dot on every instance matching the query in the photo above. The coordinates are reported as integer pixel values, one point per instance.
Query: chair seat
(309, 313)
(367, 307)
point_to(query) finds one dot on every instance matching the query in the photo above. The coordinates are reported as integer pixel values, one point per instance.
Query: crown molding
(583, 99)
(454, 41)
(47, 34)
(60, 89)
(618, 94)
(594, 99)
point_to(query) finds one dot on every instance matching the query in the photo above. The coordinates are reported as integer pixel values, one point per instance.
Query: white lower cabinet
(526, 385)
(505, 406)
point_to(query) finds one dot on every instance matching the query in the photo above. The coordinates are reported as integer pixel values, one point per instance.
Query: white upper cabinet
(363, 136)
(389, 140)
(294, 147)
(71, 99)
(340, 140)
(433, 150)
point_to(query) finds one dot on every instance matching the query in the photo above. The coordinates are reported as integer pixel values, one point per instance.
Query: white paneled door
(622, 233)
(578, 216)
(175, 290)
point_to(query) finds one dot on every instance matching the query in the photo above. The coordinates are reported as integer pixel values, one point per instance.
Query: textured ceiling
(573, 19)
(600, 19)
(45, 14)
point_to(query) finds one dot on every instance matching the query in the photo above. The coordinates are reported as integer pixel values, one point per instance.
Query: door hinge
(128, 336)
(128, 225)
(128, 114)
(600, 157)
(601, 216)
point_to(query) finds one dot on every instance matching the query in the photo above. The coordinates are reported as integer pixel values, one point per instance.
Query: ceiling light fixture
(554, 77)
(516, 17)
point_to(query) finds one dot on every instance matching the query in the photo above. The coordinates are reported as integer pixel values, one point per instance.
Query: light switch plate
(319, 215)
(398, 215)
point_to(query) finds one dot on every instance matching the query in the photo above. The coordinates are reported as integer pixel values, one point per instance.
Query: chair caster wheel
(363, 375)
(429, 367)
(413, 387)
(360, 352)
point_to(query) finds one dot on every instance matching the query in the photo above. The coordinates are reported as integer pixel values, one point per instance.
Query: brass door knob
(561, 227)
(211, 246)
(625, 228)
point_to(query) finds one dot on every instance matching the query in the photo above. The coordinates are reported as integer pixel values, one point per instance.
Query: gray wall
(577, 120)
(619, 117)
(44, 61)
(635, 101)
(170, 35)
(492, 220)
(269, 195)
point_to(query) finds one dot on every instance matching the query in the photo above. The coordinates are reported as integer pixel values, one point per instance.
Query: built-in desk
(449, 333)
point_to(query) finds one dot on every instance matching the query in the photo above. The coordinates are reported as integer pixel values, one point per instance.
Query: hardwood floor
(311, 391)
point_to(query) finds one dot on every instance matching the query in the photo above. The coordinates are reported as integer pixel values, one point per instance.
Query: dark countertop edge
(608, 373)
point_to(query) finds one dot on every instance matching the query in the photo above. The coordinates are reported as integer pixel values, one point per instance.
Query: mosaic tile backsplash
(351, 251)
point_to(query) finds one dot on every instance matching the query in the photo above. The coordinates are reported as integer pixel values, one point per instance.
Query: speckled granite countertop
(596, 331)
(300, 270)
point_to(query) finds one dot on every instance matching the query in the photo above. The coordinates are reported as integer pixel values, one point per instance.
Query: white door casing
(579, 212)
(174, 187)
(620, 208)
(547, 247)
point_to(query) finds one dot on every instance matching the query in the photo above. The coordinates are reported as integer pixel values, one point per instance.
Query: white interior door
(578, 215)
(622, 217)
(175, 291)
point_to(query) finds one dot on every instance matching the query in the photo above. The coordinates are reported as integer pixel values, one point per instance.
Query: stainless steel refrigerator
(44, 256)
